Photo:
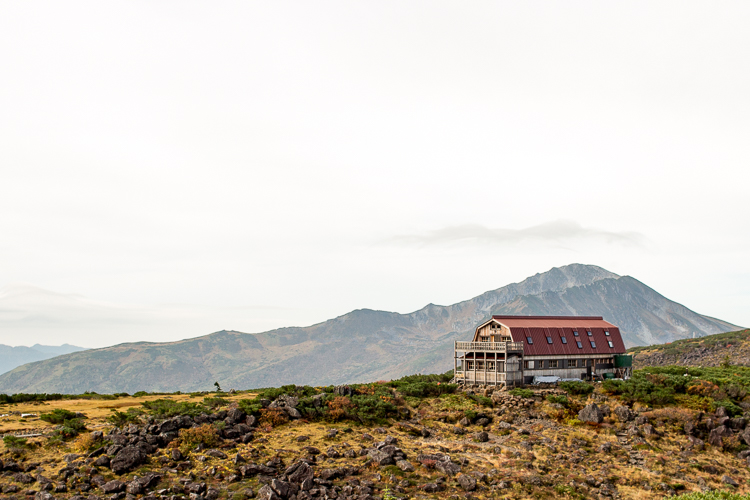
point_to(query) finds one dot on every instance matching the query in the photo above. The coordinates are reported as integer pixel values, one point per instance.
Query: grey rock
(216, 454)
(381, 457)
(266, 493)
(113, 487)
(127, 459)
(405, 466)
(467, 482)
(432, 487)
(728, 480)
(448, 468)
(299, 472)
(481, 437)
(591, 414)
(624, 414)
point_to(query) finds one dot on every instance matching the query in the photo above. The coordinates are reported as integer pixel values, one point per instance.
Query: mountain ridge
(363, 344)
(14, 356)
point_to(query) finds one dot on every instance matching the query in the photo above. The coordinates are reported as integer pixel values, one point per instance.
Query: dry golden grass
(96, 410)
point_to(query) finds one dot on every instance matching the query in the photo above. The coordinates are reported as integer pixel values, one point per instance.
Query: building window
(484, 339)
(588, 333)
(606, 332)
(580, 346)
(564, 340)
(529, 341)
(490, 365)
(575, 333)
(528, 365)
(469, 365)
(549, 340)
(610, 343)
(553, 363)
(572, 363)
(593, 344)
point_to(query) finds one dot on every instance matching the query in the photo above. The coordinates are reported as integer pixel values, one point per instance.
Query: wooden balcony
(489, 378)
(504, 347)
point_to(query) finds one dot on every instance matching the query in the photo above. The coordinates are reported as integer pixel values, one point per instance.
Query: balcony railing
(490, 346)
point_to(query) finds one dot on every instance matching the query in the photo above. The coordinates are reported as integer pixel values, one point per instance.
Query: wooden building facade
(512, 350)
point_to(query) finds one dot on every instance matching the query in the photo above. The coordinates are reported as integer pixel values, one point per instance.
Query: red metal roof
(556, 327)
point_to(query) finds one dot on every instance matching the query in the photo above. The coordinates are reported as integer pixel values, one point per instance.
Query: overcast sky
(169, 169)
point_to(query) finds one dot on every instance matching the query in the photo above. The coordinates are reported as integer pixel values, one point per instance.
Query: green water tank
(623, 361)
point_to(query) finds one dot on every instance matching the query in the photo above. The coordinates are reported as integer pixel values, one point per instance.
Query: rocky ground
(446, 447)
(713, 350)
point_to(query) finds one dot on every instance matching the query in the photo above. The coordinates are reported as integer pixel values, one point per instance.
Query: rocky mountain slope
(11, 357)
(363, 344)
(712, 350)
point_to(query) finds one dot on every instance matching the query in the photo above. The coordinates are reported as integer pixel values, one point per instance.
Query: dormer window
(588, 333)
(580, 346)
(606, 332)
(610, 343)
(529, 340)
(564, 340)
(549, 340)
(575, 333)
(593, 344)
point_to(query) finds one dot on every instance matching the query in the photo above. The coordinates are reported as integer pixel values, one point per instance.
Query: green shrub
(576, 388)
(482, 400)
(424, 389)
(560, 400)
(71, 428)
(15, 443)
(372, 409)
(520, 392)
(732, 409)
(57, 416)
(249, 406)
(215, 402)
(140, 394)
(711, 495)
(206, 435)
(120, 418)
(168, 408)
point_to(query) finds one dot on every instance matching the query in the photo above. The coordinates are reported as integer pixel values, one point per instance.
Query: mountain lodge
(513, 350)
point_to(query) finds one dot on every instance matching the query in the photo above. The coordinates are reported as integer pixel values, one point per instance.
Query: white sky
(195, 166)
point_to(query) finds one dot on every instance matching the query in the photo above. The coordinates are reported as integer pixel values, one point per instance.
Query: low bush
(576, 388)
(712, 495)
(339, 408)
(71, 428)
(167, 408)
(273, 417)
(732, 409)
(188, 439)
(523, 393)
(560, 400)
(372, 408)
(482, 400)
(85, 443)
(215, 402)
(14, 443)
(58, 416)
(120, 418)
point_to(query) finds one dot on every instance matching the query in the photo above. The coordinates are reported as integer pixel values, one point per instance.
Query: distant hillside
(712, 350)
(11, 357)
(363, 344)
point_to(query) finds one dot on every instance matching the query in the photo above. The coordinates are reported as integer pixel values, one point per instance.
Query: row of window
(557, 363)
(564, 340)
(490, 365)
